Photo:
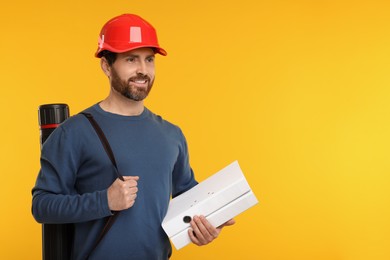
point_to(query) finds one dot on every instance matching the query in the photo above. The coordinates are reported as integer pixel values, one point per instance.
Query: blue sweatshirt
(75, 174)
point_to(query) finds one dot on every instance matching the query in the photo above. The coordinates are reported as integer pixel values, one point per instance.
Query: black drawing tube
(57, 239)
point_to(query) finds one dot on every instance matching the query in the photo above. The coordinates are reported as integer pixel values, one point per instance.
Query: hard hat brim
(157, 49)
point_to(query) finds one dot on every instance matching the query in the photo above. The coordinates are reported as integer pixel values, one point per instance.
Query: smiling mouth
(143, 81)
(139, 82)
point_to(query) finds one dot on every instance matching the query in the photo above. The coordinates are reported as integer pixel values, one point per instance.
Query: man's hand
(122, 194)
(202, 232)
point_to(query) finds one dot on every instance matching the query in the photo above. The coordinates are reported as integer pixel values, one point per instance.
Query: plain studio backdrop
(296, 91)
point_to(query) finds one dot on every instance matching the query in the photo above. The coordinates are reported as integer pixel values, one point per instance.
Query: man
(77, 182)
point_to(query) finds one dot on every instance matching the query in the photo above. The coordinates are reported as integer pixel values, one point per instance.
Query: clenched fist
(122, 194)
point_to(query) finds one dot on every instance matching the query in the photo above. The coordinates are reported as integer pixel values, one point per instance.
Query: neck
(122, 106)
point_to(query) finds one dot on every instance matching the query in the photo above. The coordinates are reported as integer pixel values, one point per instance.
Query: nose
(141, 69)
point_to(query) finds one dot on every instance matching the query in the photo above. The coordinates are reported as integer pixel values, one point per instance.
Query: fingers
(135, 178)
(130, 181)
(227, 223)
(122, 194)
(201, 231)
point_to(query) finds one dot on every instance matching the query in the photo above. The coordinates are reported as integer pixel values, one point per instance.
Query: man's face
(132, 73)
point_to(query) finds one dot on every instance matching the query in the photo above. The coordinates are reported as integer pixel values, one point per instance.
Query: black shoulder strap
(110, 154)
(104, 141)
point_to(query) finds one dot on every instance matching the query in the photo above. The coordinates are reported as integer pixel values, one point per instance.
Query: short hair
(109, 56)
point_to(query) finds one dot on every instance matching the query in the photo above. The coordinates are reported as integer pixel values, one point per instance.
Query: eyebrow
(138, 56)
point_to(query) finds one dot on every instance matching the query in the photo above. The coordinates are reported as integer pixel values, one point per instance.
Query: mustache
(139, 77)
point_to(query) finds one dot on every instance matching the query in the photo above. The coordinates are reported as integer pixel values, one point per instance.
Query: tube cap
(49, 114)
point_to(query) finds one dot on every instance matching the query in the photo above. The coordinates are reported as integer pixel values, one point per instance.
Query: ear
(105, 66)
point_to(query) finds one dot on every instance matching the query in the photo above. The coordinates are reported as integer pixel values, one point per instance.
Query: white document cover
(219, 198)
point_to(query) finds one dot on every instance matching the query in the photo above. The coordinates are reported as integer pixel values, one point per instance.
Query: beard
(127, 89)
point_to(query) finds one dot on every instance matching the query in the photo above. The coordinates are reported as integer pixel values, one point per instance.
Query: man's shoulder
(77, 121)
(163, 122)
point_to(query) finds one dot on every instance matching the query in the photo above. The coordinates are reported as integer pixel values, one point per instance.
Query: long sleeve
(55, 195)
(183, 176)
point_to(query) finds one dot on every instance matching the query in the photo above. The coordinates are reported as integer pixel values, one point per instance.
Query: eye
(150, 59)
(130, 59)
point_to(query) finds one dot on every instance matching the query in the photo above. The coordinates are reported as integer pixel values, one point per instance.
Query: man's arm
(58, 195)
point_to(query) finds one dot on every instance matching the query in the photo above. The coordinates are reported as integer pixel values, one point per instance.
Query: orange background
(296, 91)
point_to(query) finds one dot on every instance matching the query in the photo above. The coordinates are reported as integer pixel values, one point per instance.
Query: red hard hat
(127, 32)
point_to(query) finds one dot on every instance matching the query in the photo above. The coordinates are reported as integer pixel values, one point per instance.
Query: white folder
(219, 198)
